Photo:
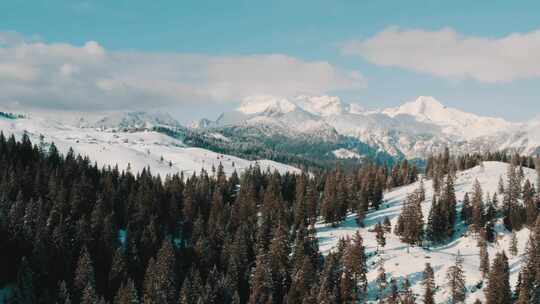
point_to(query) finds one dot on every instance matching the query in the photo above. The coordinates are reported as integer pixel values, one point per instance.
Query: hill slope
(401, 264)
(137, 147)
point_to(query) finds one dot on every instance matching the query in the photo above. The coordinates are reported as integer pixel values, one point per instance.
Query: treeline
(71, 232)
(444, 163)
(10, 115)
(303, 152)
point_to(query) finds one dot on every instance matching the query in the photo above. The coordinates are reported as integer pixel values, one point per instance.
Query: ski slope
(140, 149)
(401, 263)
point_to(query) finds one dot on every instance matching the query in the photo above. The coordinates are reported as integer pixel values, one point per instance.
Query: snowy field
(164, 154)
(401, 264)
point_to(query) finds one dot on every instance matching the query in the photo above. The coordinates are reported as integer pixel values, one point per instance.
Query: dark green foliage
(96, 235)
(256, 143)
(498, 286)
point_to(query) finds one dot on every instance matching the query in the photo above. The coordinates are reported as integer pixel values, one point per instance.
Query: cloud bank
(89, 77)
(446, 53)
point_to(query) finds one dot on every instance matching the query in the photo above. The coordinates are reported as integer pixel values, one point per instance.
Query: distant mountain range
(413, 130)
(304, 131)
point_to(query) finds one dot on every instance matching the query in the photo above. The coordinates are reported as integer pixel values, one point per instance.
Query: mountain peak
(322, 105)
(266, 104)
(135, 120)
(423, 105)
(428, 101)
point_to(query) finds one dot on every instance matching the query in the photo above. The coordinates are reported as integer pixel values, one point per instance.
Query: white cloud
(89, 77)
(446, 53)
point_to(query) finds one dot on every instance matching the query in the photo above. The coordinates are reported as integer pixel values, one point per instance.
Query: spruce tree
(466, 210)
(356, 261)
(428, 281)
(456, 280)
(477, 213)
(524, 289)
(513, 248)
(408, 295)
(84, 274)
(387, 225)
(127, 294)
(164, 277)
(261, 282)
(89, 295)
(393, 297)
(484, 258)
(63, 296)
(498, 285)
(24, 292)
(381, 278)
(410, 222)
(381, 238)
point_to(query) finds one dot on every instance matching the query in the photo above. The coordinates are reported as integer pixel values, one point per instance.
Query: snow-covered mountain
(132, 121)
(278, 116)
(401, 263)
(452, 121)
(415, 129)
(128, 138)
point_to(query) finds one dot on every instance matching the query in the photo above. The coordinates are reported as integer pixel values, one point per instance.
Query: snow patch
(346, 154)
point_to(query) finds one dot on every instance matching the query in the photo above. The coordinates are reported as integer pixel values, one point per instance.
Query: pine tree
(448, 198)
(164, 276)
(500, 187)
(498, 286)
(149, 295)
(127, 294)
(24, 292)
(261, 282)
(512, 211)
(525, 285)
(530, 202)
(381, 278)
(428, 281)
(410, 222)
(387, 225)
(477, 213)
(89, 295)
(513, 248)
(356, 261)
(63, 296)
(279, 263)
(466, 210)
(118, 272)
(408, 295)
(393, 297)
(381, 239)
(456, 281)
(84, 274)
(329, 205)
(484, 258)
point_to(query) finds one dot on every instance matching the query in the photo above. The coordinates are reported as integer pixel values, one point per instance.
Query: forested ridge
(71, 232)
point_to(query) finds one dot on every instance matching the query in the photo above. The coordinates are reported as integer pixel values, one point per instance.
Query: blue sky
(313, 31)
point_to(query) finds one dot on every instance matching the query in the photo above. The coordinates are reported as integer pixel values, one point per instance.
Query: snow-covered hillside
(401, 264)
(139, 149)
